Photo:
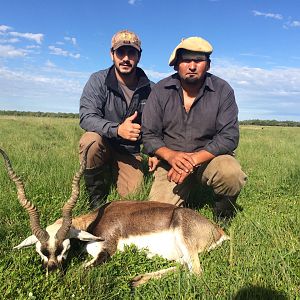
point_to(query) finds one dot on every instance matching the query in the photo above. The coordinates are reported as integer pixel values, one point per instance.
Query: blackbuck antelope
(172, 232)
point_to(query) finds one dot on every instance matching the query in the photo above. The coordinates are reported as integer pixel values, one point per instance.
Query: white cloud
(267, 15)
(255, 55)
(155, 75)
(59, 51)
(291, 24)
(295, 24)
(10, 51)
(4, 28)
(273, 82)
(131, 2)
(288, 24)
(33, 47)
(9, 41)
(50, 64)
(33, 90)
(263, 93)
(37, 37)
(71, 39)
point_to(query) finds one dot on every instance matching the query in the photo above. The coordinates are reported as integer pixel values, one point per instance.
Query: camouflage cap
(195, 44)
(125, 38)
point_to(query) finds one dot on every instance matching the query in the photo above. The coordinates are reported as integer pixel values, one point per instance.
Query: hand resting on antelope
(175, 233)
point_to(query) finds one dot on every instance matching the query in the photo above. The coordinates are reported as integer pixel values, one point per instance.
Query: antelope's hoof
(88, 264)
(139, 280)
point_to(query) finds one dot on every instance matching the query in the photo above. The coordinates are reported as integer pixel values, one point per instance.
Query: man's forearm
(199, 157)
(202, 156)
(164, 153)
(97, 124)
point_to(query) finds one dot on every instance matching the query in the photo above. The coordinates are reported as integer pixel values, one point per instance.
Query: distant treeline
(270, 123)
(73, 115)
(38, 114)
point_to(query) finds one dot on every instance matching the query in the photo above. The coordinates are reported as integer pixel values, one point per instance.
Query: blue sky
(48, 49)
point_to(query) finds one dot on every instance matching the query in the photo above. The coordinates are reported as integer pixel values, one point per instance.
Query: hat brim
(121, 44)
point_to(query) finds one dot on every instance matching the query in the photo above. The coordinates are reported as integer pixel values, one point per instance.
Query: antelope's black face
(53, 253)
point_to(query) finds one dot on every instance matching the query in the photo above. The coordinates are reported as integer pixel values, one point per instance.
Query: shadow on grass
(200, 196)
(259, 293)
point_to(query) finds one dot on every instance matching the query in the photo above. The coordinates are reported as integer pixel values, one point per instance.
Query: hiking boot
(224, 207)
(96, 182)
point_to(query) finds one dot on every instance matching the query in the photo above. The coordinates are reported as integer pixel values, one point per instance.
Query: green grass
(262, 260)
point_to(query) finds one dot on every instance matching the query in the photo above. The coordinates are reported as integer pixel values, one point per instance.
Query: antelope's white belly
(165, 244)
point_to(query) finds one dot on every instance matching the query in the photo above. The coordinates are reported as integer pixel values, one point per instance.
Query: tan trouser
(126, 168)
(223, 174)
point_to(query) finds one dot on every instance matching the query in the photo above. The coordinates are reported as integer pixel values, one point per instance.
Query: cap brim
(126, 44)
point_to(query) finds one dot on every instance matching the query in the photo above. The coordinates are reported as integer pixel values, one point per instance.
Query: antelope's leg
(190, 257)
(143, 278)
(97, 251)
(195, 264)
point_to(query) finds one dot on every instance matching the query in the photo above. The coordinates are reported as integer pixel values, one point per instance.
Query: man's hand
(152, 163)
(181, 162)
(129, 130)
(176, 177)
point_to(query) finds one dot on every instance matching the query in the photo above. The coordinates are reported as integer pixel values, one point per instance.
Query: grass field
(262, 260)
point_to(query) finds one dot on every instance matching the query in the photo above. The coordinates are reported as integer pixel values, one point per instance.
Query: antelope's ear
(31, 240)
(83, 235)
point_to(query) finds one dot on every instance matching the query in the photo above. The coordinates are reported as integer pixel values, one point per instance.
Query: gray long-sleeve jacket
(211, 124)
(103, 107)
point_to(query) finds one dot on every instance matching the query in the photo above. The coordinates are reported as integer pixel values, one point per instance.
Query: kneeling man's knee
(95, 156)
(228, 176)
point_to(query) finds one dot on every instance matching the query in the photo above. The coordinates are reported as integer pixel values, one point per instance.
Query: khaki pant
(223, 174)
(126, 168)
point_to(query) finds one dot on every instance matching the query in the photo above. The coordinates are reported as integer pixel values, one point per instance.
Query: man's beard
(191, 80)
(194, 80)
(125, 72)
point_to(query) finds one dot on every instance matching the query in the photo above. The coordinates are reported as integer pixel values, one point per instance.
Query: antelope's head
(52, 243)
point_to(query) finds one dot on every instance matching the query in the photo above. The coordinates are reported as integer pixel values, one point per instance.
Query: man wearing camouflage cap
(190, 122)
(110, 112)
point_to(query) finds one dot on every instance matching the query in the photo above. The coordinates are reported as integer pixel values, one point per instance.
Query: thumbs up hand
(129, 130)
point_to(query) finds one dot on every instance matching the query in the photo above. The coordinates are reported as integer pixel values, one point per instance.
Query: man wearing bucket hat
(110, 112)
(190, 122)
